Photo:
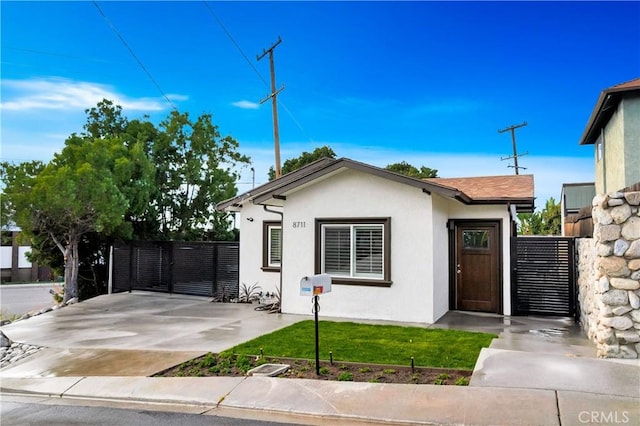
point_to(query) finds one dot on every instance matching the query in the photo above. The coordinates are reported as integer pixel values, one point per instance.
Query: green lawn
(378, 344)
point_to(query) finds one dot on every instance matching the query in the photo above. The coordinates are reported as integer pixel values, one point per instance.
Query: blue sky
(380, 82)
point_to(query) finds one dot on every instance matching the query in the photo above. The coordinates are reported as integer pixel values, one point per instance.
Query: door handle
(458, 270)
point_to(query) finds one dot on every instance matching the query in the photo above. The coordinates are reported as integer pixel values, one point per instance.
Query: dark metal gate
(543, 276)
(196, 268)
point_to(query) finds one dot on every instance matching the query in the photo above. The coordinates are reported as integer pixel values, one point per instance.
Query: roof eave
(350, 164)
(601, 113)
(523, 205)
(272, 185)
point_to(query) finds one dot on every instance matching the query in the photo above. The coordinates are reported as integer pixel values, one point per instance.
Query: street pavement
(539, 371)
(19, 299)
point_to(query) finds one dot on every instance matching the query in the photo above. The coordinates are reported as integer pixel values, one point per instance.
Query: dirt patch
(216, 365)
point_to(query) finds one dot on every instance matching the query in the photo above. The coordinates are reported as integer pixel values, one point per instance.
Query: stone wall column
(611, 300)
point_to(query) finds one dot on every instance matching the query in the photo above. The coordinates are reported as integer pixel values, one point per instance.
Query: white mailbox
(315, 285)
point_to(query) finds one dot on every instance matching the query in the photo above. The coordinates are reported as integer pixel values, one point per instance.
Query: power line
(246, 58)
(115, 30)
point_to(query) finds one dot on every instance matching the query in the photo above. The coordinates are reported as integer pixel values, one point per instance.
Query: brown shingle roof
(631, 84)
(514, 190)
(516, 187)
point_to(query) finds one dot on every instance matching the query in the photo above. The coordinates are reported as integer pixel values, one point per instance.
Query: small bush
(462, 381)
(242, 363)
(389, 371)
(364, 370)
(209, 360)
(324, 371)
(345, 377)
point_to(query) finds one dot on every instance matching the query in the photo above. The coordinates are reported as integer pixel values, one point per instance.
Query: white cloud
(64, 94)
(244, 104)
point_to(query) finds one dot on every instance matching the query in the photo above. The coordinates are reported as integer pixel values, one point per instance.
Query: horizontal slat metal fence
(198, 268)
(543, 276)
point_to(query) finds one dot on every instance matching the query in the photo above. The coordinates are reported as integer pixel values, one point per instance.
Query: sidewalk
(326, 402)
(538, 372)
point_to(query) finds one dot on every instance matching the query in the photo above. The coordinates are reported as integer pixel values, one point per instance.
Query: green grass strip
(377, 344)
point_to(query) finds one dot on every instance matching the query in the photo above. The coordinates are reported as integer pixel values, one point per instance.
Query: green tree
(412, 171)
(305, 158)
(121, 179)
(195, 168)
(530, 223)
(546, 222)
(82, 190)
(551, 218)
(16, 180)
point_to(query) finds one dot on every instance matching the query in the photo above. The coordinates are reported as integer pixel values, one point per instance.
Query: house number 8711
(299, 224)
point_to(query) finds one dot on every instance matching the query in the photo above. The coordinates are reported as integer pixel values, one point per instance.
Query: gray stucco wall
(613, 161)
(620, 166)
(631, 107)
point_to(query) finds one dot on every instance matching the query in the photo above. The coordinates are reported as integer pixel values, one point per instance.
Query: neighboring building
(397, 248)
(575, 205)
(614, 129)
(14, 265)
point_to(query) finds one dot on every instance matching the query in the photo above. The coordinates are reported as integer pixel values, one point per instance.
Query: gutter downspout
(266, 209)
(514, 219)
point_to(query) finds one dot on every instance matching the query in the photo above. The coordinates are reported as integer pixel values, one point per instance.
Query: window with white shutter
(354, 251)
(271, 246)
(275, 245)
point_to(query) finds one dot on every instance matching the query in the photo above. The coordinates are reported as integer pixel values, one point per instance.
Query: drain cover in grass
(268, 370)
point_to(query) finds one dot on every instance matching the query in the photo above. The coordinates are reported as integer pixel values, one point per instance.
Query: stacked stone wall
(609, 276)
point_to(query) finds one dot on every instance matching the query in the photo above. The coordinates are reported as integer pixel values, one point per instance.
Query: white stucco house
(397, 248)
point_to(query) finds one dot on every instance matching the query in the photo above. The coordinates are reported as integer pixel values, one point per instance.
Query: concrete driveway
(134, 334)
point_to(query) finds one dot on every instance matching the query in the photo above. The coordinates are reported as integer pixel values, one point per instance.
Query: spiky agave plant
(249, 293)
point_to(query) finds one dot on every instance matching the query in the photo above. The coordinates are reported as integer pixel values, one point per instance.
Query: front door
(477, 266)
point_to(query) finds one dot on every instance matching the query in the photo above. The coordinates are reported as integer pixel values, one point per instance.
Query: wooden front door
(477, 266)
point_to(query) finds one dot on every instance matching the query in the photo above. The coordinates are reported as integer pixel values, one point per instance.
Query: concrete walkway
(538, 372)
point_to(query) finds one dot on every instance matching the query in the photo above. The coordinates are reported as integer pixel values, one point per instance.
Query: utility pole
(274, 104)
(513, 141)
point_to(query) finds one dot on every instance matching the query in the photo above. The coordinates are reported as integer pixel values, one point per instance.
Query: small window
(475, 240)
(599, 148)
(354, 251)
(272, 246)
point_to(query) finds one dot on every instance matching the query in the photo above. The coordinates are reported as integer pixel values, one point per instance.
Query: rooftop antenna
(513, 141)
(274, 104)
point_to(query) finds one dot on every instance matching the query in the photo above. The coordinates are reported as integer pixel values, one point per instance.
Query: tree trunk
(71, 265)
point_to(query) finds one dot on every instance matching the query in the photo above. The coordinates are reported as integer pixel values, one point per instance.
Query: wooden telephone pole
(274, 104)
(513, 141)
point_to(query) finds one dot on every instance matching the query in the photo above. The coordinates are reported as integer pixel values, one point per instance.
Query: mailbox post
(314, 286)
